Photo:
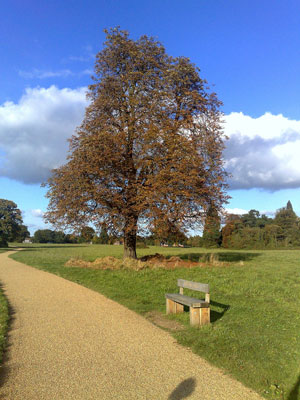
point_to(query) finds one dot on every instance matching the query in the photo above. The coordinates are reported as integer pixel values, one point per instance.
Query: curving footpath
(68, 342)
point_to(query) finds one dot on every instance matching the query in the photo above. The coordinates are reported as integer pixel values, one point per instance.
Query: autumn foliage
(149, 150)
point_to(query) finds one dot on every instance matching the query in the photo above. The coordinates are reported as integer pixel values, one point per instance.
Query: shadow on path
(183, 390)
(295, 394)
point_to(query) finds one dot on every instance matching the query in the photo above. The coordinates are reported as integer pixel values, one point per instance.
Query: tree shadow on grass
(224, 257)
(295, 393)
(183, 390)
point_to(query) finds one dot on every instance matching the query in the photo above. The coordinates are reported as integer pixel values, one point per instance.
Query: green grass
(255, 329)
(4, 317)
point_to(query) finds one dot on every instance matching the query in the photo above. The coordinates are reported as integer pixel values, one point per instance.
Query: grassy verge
(255, 327)
(4, 317)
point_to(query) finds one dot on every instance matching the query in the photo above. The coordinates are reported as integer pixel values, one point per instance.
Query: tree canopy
(10, 221)
(149, 149)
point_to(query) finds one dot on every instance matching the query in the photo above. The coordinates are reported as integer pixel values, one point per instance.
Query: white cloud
(236, 211)
(44, 74)
(34, 132)
(262, 152)
(37, 213)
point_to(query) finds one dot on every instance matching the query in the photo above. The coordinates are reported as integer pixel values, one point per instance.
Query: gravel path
(68, 342)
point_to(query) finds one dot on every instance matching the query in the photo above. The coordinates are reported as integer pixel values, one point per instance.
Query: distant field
(255, 330)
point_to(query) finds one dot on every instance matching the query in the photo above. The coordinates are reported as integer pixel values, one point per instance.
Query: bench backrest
(200, 287)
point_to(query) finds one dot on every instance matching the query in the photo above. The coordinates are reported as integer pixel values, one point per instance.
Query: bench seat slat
(187, 301)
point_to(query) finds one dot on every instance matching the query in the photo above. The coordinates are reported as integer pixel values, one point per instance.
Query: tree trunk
(129, 245)
(130, 232)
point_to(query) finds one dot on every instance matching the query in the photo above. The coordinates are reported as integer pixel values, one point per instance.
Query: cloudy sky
(249, 51)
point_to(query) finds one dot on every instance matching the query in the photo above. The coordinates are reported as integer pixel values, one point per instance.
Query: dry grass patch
(108, 262)
(153, 261)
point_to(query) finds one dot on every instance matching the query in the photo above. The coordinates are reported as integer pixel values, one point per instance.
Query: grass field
(254, 334)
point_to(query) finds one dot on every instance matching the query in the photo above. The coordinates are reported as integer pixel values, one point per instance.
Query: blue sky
(249, 50)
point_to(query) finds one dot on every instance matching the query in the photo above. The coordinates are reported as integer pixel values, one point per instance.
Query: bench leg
(199, 316)
(173, 308)
(204, 316)
(170, 306)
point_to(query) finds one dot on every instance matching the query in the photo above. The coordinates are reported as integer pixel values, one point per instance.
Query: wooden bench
(199, 309)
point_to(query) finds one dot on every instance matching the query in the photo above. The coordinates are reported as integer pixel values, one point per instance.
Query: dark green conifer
(211, 233)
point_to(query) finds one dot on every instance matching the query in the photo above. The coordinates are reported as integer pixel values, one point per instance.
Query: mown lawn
(255, 329)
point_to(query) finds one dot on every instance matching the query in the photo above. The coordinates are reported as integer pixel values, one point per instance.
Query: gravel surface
(68, 342)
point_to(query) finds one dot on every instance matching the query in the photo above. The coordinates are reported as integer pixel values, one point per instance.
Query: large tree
(10, 221)
(149, 148)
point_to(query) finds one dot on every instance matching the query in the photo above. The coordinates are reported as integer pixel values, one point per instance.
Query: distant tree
(43, 236)
(263, 221)
(232, 224)
(195, 241)
(59, 237)
(149, 148)
(272, 233)
(212, 228)
(150, 240)
(71, 238)
(10, 221)
(103, 236)
(287, 220)
(87, 233)
(21, 234)
(168, 232)
(250, 219)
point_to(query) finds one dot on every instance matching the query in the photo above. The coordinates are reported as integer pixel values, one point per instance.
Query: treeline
(249, 231)
(254, 231)
(86, 235)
